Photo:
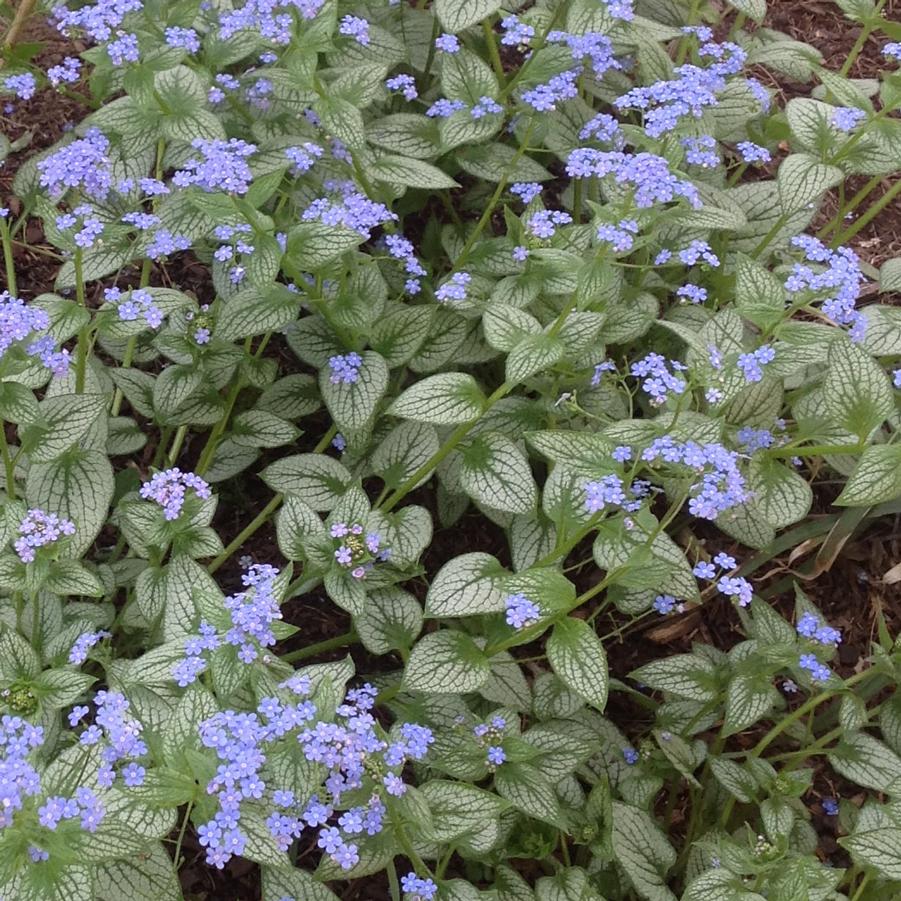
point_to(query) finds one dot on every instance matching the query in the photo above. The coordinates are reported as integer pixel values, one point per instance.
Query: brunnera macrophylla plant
(555, 264)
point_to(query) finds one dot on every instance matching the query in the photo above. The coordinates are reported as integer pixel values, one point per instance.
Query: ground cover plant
(370, 372)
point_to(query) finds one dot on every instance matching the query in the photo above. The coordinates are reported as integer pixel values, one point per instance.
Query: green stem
(255, 524)
(836, 222)
(181, 836)
(860, 889)
(26, 8)
(36, 624)
(81, 359)
(488, 212)
(865, 33)
(458, 434)
(320, 647)
(209, 450)
(871, 213)
(265, 514)
(493, 52)
(393, 884)
(177, 442)
(791, 719)
(8, 261)
(8, 465)
(130, 348)
(815, 450)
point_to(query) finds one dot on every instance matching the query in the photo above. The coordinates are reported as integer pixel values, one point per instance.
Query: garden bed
(585, 605)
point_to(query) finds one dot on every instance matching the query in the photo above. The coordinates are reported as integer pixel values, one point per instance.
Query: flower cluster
(490, 736)
(352, 209)
(592, 49)
(303, 157)
(345, 368)
(751, 365)
(18, 778)
(730, 586)
(272, 19)
(18, 322)
(721, 485)
(647, 174)
(85, 806)
(23, 86)
(666, 103)
(136, 304)
(417, 889)
(521, 612)
(657, 379)
(83, 644)
(221, 166)
(351, 750)
(402, 249)
(621, 237)
(545, 97)
(810, 626)
(819, 672)
(39, 529)
(82, 164)
(405, 84)
(543, 224)
(837, 279)
(169, 489)
(120, 735)
(358, 550)
(455, 288)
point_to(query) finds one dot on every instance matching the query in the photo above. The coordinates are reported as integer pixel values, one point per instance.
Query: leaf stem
(8, 261)
(81, 358)
(320, 647)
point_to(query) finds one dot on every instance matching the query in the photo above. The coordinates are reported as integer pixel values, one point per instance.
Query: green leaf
(527, 789)
(856, 392)
(64, 419)
(779, 493)
(890, 275)
(353, 405)
(749, 698)
(292, 882)
(494, 471)
(391, 619)
(317, 479)
(407, 447)
(78, 486)
(148, 876)
(257, 428)
(343, 120)
(254, 311)
(444, 399)
(59, 688)
(577, 656)
(687, 676)
(753, 9)
(446, 662)
(406, 134)
(802, 179)
(876, 841)
(876, 478)
(534, 354)
(759, 295)
(455, 15)
(411, 172)
(494, 162)
(643, 852)
(459, 809)
(866, 761)
(312, 245)
(174, 386)
(466, 585)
